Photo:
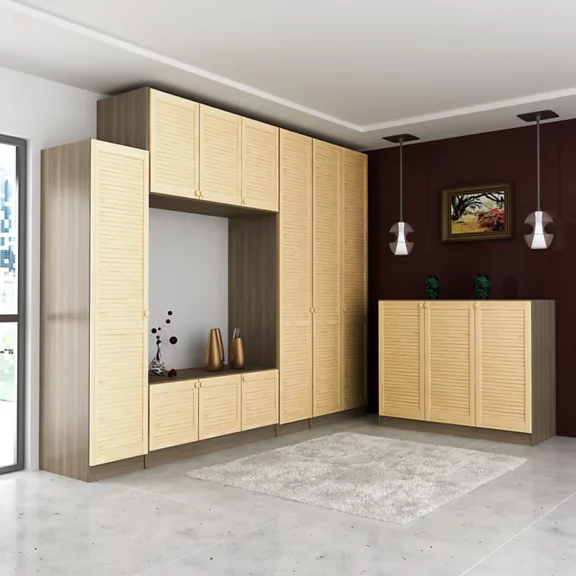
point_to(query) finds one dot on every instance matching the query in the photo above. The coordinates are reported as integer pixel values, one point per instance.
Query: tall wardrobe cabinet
(94, 390)
(322, 278)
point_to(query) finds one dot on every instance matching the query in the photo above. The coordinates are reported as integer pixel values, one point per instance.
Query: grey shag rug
(382, 478)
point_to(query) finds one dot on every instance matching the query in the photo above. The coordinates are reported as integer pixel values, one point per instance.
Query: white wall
(189, 276)
(45, 114)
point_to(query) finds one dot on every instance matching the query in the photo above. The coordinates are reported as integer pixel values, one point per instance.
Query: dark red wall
(516, 271)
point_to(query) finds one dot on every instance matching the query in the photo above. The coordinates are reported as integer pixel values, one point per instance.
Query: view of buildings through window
(8, 302)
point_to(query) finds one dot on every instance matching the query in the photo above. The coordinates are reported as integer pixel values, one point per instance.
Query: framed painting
(477, 213)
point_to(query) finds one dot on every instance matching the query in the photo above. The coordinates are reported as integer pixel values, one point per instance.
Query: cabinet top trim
(203, 374)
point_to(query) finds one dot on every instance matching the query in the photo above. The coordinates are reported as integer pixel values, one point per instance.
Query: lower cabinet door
(219, 401)
(259, 399)
(173, 414)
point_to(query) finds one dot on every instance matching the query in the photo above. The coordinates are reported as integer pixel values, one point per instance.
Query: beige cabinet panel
(220, 154)
(327, 277)
(219, 401)
(354, 278)
(401, 347)
(174, 145)
(354, 369)
(173, 414)
(119, 298)
(295, 277)
(449, 356)
(259, 399)
(503, 365)
(354, 234)
(259, 165)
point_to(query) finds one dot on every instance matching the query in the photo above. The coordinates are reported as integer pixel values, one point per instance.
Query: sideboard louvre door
(450, 362)
(402, 359)
(503, 369)
(119, 298)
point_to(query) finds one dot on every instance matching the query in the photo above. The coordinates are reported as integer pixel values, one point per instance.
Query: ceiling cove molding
(469, 110)
(177, 64)
(172, 62)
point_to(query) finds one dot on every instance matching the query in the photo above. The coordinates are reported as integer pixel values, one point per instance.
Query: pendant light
(401, 247)
(539, 239)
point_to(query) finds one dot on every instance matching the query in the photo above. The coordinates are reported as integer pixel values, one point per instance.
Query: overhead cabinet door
(220, 148)
(119, 299)
(259, 165)
(174, 145)
(295, 276)
(327, 277)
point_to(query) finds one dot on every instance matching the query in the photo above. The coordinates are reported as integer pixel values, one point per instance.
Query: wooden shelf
(193, 206)
(202, 373)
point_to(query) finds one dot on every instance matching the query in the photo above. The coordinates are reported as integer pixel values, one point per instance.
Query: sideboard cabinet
(484, 364)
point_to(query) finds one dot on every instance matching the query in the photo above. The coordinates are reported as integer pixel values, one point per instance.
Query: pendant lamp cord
(538, 159)
(401, 180)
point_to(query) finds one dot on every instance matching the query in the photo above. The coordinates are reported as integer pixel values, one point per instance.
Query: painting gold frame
(447, 195)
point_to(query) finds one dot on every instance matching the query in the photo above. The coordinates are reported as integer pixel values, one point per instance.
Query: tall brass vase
(214, 351)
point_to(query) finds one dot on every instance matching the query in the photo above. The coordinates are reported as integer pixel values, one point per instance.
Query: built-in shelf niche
(252, 275)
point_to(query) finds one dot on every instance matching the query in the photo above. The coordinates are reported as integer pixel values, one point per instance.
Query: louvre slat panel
(295, 275)
(119, 284)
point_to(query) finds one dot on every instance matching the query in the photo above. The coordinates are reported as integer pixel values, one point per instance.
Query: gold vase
(214, 351)
(237, 358)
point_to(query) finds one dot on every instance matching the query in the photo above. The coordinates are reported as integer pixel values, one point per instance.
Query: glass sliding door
(12, 301)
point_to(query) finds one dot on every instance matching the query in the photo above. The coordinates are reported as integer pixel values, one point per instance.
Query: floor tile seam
(517, 535)
(224, 541)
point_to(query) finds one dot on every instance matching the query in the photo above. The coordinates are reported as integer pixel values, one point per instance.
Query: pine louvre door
(119, 300)
(503, 365)
(259, 399)
(220, 153)
(219, 401)
(401, 343)
(327, 267)
(174, 145)
(354, 279)
(449, 357)
(295, 275)
(173, 414)
(259, 165)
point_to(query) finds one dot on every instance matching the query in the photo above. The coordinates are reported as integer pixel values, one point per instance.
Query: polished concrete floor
(160, 522)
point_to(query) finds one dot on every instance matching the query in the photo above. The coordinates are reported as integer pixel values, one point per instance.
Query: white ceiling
(348, 70)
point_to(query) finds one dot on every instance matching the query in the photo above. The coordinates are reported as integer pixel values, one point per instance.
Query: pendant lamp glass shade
(401, 247)
(538, 239)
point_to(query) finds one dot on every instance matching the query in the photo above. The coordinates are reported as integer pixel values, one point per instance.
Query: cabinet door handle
(200, 384)
(244, 379)
(311, 310)
(201, 194)
(197, 193)
(196, 385)
(314, 310)
(146, 313)
(244, 201)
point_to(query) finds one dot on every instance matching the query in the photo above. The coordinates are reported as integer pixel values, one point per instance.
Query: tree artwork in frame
(477, 213)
